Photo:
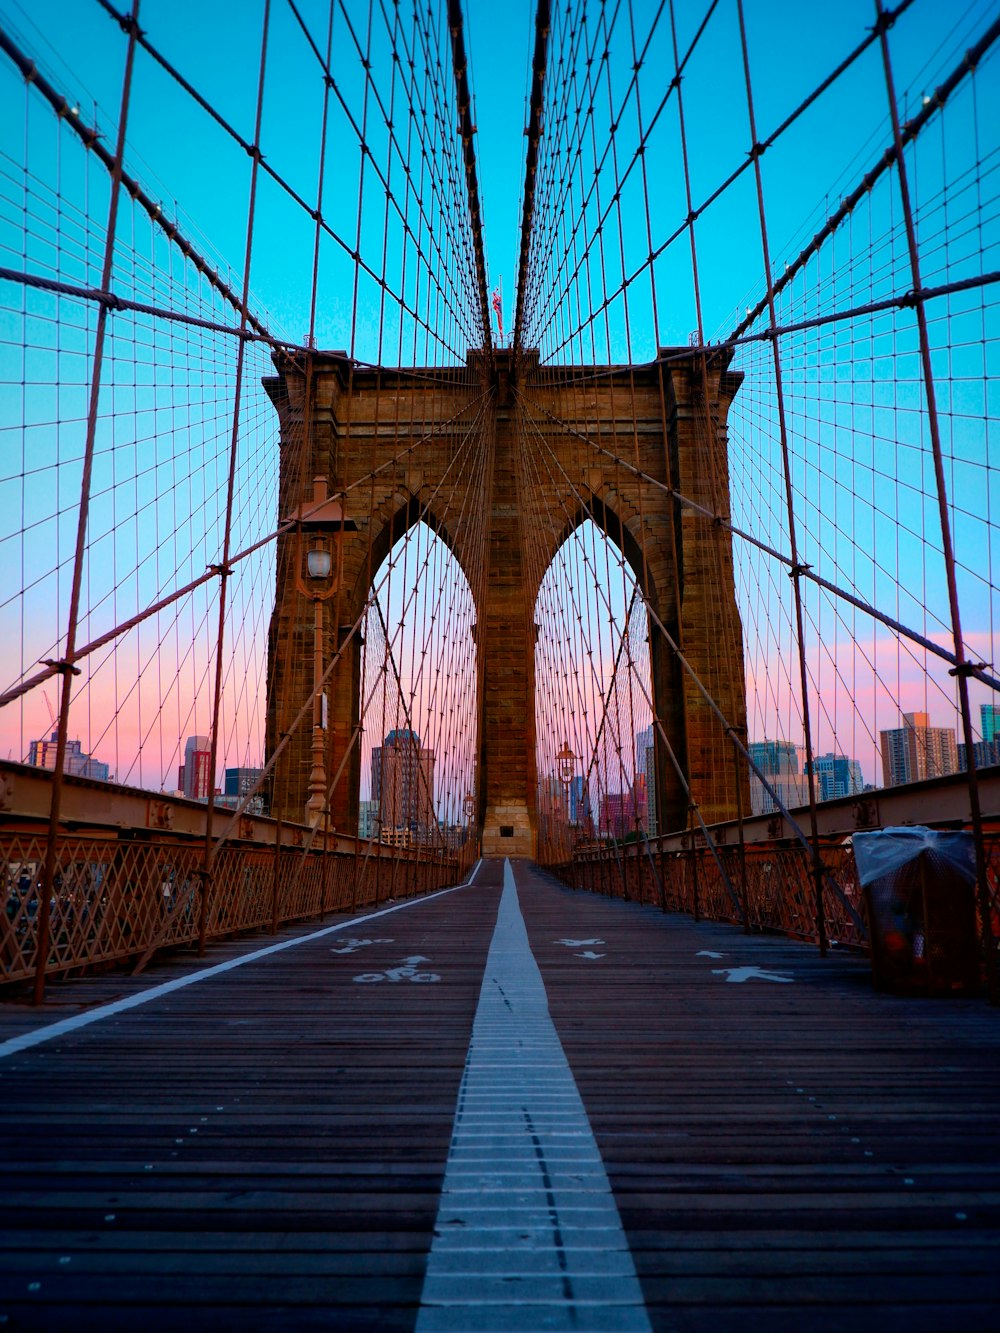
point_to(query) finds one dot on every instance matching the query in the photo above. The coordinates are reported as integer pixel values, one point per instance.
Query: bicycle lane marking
(64, 1026)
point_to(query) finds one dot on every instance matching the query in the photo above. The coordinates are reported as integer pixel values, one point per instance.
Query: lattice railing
(115, 900)
(771, 887)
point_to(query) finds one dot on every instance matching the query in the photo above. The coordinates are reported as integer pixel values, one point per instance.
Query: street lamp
(566, 769)
(321, 521)
(566, 764)
(319, 563)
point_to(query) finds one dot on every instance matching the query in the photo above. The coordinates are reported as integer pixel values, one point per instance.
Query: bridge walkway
(386, 1123)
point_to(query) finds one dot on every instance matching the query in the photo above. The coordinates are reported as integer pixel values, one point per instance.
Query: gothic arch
(404, 511)
(621, 533)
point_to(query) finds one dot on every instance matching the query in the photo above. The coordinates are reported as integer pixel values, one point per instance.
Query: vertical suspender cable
(68, 670)
(224, 570)
(796, 569)
(961, 668)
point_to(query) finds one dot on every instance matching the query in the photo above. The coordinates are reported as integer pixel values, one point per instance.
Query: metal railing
(770, 886)
(116, 898)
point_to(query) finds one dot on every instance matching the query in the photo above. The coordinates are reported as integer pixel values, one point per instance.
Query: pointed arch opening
(418, 707)
(595, 736)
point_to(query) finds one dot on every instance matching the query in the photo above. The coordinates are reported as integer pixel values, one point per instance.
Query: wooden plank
(265, 1147)
(760, 1137)
(783, 1153)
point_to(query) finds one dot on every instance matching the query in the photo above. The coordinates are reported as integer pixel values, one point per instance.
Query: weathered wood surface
(784, 1154)
(265, 1149)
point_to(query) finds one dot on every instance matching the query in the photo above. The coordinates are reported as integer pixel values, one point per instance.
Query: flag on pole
(498, 308)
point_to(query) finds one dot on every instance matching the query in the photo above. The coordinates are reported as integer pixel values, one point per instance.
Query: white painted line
(66, 1025)
(475, 871)
(520, 1219)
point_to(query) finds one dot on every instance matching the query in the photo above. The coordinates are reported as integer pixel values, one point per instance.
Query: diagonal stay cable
(731, 732)
(721, 521)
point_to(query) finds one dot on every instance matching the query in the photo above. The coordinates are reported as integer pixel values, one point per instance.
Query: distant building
(552, 800)
(368, 819)
(194, 777)
(403, 786)
(778, 761)
(615, 817)
(836, 775)
(645, 766)
(986, 753)
(42, 754)
(397, 837)
(643, 740)
(454, 836)
(238, 783)
(579, 801)
(640, 804)
(651, 823)
(623, 813)
(989, 716)
(916, 750)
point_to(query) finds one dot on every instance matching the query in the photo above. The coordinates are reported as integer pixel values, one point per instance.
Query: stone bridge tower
(618, 440)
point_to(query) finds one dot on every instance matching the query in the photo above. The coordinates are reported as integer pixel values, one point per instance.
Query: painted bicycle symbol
(353, 945)
(408, 970)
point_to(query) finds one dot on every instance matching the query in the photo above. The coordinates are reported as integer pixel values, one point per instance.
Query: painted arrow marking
(708, 953)
(577, 944)
(352, 946)
(748, 974)
(590, 954)
(406, 971)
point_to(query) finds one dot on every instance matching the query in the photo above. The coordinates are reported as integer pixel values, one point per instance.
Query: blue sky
(185, 158)
(868, 454)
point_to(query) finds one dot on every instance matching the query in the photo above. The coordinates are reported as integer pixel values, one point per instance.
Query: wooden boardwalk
(265, 1148)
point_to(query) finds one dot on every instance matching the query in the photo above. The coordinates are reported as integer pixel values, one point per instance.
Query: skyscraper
(403, 784)
(579, 802)
(645, 766)
(779, 763)
(916, 750)
(989, 716)
(836, 775)
(643, 741)
(193, 776)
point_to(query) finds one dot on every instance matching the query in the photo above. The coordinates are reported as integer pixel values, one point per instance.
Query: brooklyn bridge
(500, 821)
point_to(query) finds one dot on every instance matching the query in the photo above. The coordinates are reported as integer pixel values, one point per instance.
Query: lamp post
(319, 522)
(566, 769)
(469, 807)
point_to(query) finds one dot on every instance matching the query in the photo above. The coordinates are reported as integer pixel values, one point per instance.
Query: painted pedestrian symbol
(352, 946)
(748, 974)
(408, 970)
(576, 944)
